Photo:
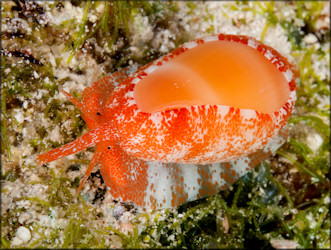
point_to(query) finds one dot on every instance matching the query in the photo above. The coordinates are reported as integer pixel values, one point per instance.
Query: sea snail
(188, 124)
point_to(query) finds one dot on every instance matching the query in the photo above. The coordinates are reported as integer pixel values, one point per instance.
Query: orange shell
(198, 134)
(128, 141)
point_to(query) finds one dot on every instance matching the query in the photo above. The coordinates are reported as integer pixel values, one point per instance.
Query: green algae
(113, 24)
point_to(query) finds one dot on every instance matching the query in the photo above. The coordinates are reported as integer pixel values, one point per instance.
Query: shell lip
(218, 106)
(290, 102)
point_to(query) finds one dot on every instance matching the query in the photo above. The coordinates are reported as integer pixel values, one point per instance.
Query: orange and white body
(219, 101)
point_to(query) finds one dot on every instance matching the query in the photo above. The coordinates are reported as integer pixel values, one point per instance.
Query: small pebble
(310, 39)
(226, 225)
(16, 241)
(35, 75)
(25, 104)
(19, 117)
(314, 141)
(23, 233)
(283, 244)
(24, 217)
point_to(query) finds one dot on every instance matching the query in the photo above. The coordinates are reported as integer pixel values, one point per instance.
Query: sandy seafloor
(31, 221)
